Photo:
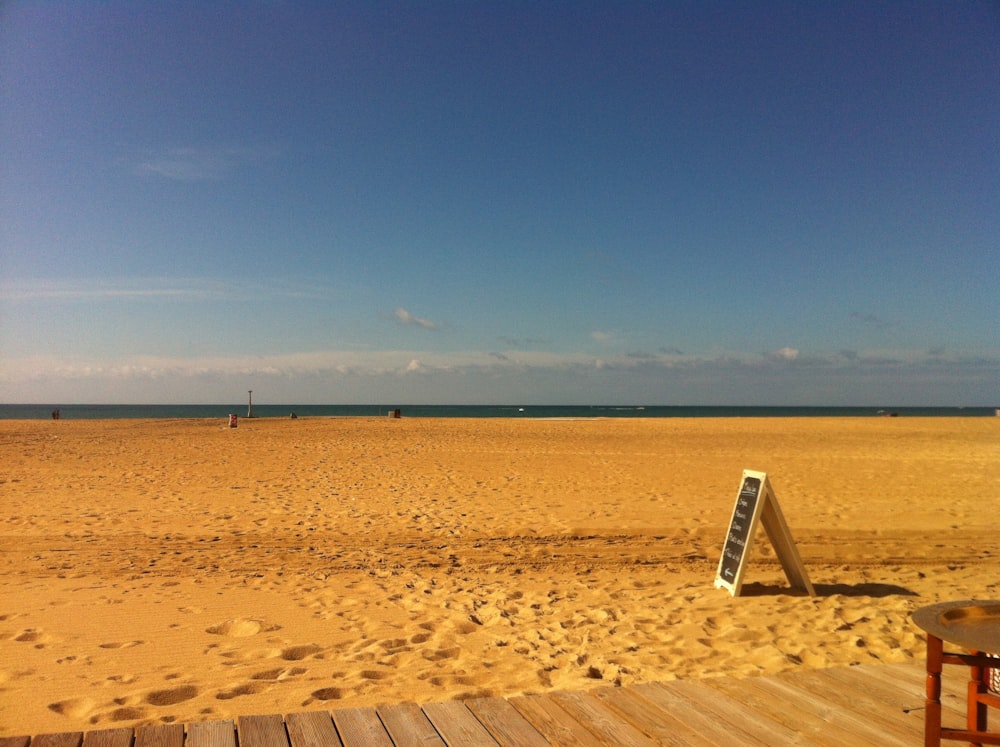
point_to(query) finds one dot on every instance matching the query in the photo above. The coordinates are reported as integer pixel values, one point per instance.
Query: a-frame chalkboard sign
(755, 504)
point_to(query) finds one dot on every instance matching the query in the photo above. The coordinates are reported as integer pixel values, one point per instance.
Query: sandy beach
(181, 570)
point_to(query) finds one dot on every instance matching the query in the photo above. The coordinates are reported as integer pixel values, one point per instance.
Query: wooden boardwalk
(849, 706)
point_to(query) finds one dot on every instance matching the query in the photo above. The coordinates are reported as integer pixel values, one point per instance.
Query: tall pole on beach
(250, 407)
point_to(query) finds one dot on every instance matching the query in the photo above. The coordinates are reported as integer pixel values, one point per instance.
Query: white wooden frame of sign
(757, 504)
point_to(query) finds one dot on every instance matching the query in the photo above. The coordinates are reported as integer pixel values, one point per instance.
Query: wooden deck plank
(911, 678)
(210, 734)
(908, 684)
(861, 703)
(68, 739)
(670, 699)
(889, 689)
(904, 678)
(457, 725)
(505, 723)
(160, 735)
(14, 741)
(408, 725)
(312, 729)
(262, 731)
(602, 720)
(837, 727)
(803, 721)
(645, 715)
(552, 721)
(121, 737)
(361, 727)
(911, 682)
(756, 727)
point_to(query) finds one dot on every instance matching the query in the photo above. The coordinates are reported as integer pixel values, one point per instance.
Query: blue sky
(500, 202)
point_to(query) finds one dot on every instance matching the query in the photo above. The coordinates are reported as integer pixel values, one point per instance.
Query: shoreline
(515, 412)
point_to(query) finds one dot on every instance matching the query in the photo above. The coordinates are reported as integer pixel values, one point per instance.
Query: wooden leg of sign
(784, 546)
(932, 712)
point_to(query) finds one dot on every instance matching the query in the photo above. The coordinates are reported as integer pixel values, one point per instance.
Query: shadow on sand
(829, 590)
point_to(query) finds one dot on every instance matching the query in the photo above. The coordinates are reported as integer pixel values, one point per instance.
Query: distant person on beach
(55, 414)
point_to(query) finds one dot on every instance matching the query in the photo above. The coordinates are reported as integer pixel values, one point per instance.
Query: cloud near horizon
(881, 376)
(784, 354)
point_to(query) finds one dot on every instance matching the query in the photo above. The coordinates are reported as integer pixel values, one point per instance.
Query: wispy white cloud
(524, 342)
(148, 289)
(869, 319)
(406, 318)
(187, 165)
(200, 163)
(86, 290)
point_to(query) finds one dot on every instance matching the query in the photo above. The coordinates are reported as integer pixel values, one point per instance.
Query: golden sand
(179, 570)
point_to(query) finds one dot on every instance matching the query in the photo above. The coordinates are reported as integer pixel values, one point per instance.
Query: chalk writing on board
(739, 529)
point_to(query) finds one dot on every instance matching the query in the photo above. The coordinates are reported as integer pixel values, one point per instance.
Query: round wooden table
(973, 625)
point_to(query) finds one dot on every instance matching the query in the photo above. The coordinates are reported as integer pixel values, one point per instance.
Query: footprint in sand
(172, 696)
(328, 693)
(279, 674)
(395, 646)
(298, 653)
(241, 655)
(74, 707)
(441, 681)
(128, 713)
(35, 636)
(121, 644)
(241, 628)
(443, 653)
(251, 688)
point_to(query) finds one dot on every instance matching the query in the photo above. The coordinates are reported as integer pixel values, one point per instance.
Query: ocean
(91, 412)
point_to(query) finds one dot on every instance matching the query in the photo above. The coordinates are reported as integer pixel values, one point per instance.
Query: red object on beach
(232, 420)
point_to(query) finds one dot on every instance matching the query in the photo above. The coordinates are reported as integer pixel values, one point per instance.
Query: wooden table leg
(932, 711)
(975, 711)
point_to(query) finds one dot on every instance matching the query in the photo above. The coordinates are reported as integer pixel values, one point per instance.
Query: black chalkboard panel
(739, 530)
